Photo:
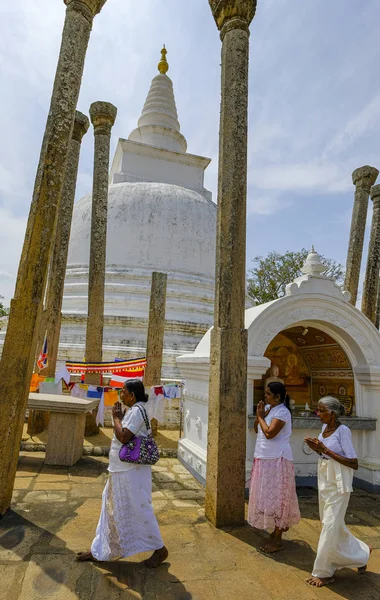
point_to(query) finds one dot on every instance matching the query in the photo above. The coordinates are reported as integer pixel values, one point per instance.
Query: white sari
(337, 547)
(127, 524)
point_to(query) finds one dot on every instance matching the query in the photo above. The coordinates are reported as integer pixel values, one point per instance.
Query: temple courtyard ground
(55, 512)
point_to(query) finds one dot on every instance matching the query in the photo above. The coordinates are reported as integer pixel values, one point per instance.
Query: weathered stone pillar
(19, 347)
(227, 423)
(103, 115)
(57, 271)
(51, 319)
(377, 317)
(363, 178)
(371, 282)
(156, 329)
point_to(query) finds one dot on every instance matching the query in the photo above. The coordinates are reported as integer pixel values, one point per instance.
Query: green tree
(269, 277)
(3, 311)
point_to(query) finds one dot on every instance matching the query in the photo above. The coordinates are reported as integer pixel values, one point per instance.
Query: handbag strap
(145, 417)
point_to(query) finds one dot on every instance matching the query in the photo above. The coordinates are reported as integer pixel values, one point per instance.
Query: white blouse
(278, 446)
(340, 441)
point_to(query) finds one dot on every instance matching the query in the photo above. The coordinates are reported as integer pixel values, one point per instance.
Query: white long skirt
(127, 524)
(337, 547)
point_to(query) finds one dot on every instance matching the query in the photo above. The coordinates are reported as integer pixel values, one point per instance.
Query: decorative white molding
(331, 314)
(341, 374)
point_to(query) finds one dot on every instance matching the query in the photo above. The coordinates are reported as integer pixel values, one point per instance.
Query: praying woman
(337, 547)
(272, 491)
(127, 524)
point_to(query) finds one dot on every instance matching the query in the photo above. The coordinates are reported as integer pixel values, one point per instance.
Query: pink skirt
(273, 500)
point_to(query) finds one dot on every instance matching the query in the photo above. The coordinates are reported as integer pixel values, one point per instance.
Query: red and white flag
(118, 379)
(42, 361)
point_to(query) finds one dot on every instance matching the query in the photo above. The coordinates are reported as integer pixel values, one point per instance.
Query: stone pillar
(363, 178)
(51, 320)
(18, 353)
(103, 115)
(227, 423)
(371, 282)
(156, 329)
(377, 317)
(57, 271)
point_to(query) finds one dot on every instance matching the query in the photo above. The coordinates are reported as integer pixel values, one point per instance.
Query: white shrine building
(160, 218)
(318, 344)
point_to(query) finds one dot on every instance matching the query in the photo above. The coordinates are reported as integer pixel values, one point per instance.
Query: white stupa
(160, 218)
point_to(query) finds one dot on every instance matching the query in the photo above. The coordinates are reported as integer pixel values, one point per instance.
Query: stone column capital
(232, 14)
(375, 193)
(103, 115)
(81, 125)
(88, 8)
(364, 176)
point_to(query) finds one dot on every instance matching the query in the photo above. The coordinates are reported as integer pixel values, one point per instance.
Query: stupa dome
(151, 225)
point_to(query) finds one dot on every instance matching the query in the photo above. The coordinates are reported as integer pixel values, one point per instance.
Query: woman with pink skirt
(273, 500)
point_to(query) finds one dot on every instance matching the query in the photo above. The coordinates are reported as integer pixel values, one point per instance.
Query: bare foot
(83, 556)
(320, 581)
(157, 558)
(273, 546)
(273, 534)
(362, 570)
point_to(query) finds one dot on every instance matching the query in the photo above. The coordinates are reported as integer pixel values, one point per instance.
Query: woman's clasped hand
(315, 444)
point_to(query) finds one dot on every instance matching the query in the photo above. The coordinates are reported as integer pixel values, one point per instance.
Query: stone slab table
(66, 425)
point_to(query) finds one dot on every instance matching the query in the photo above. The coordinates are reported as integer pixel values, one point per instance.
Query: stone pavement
(55, 512)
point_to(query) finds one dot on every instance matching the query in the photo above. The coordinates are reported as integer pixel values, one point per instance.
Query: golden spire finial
(163, 66)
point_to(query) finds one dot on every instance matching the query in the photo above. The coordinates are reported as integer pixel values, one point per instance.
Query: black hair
(278, 389)
(137, 387)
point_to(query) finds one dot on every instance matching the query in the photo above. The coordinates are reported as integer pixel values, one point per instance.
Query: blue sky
(314, 106)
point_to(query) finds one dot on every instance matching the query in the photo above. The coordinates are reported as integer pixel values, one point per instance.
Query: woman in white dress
(127, 524)
(337, 547)
(273, 500)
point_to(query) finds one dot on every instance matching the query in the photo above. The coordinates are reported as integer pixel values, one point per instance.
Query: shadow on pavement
(299, 554)
(57, 567)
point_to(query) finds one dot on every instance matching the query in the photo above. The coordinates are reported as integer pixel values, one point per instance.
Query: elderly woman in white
(337, 547)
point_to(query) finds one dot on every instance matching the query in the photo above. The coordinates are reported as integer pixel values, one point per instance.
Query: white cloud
(366, 121)
(260, 203)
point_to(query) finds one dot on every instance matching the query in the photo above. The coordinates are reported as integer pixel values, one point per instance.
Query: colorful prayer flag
(118, 379)
(42, 361)
(105, 367)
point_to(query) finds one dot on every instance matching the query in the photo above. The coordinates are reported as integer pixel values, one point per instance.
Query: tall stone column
(57, 271)
(103, 115)
(19, 347)
(156, 329)
(377, 317)
(371, 282)
(362, 178)
(51, 318)
(227, 423)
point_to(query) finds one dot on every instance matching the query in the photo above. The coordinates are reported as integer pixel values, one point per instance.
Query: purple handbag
(140, 451)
